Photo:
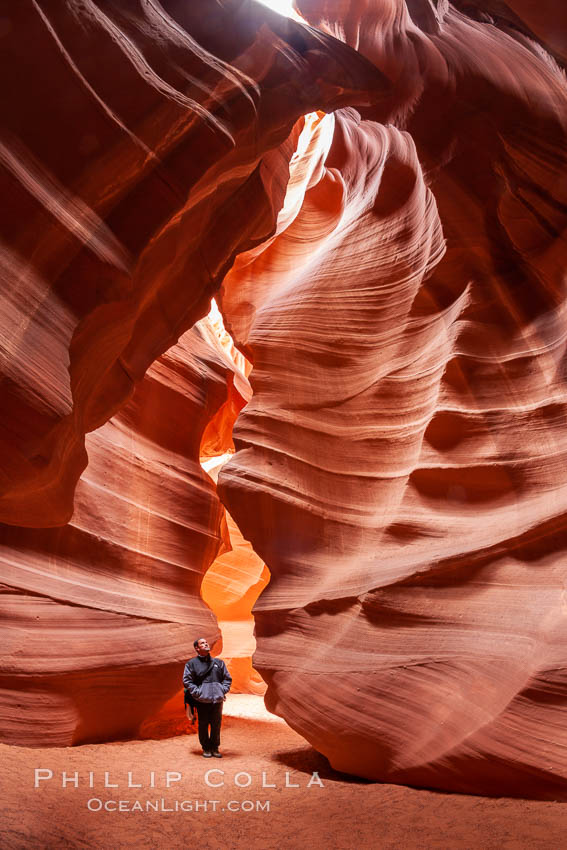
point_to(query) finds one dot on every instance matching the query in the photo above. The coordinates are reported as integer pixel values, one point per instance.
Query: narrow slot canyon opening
(284, 7)
(237, 576)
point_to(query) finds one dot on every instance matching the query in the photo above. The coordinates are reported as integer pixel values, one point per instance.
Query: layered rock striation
(400, 467)
(140, 153)
(101, 613)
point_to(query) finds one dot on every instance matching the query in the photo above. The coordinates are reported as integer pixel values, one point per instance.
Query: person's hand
(191, 717)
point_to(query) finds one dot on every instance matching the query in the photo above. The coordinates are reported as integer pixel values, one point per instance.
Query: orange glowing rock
(230, 588)
(217, 437)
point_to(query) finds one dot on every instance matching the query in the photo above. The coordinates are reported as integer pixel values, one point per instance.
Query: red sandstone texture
(230, 588)
(102, 613)
(396, 277)
(401, 466)
(140, 153)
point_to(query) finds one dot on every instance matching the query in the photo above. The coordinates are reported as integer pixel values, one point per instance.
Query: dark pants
(209, 714)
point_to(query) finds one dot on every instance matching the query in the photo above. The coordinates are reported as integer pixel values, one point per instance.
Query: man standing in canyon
(206, 681)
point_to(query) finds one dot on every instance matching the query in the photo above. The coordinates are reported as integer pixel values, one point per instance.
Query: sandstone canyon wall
(401, 466)
(101, 612)
(140, 154)
(396, 276)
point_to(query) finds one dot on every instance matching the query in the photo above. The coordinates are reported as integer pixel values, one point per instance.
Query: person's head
(202, 646)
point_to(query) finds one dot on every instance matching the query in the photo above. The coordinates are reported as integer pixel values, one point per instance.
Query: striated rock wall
(139, 154)
(101, 614)
(401, 466)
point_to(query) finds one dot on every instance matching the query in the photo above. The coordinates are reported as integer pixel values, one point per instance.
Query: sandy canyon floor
(329, 811)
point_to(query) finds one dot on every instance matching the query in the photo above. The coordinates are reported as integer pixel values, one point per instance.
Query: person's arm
(227, 679)
(189, 682)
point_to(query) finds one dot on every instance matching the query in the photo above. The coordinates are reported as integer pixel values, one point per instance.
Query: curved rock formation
(400, 467)
(101, 613)
(139, 154)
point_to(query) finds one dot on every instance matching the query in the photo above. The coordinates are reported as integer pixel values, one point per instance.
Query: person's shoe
(216, 754)
(207, 754)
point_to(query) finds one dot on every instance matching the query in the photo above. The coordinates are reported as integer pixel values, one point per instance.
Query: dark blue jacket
(206, 679)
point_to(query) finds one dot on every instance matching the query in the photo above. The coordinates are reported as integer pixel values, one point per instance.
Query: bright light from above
(284, 7)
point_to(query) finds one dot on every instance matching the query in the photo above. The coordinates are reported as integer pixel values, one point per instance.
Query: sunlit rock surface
(217, 438)
(401, 466)
(396, 276)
